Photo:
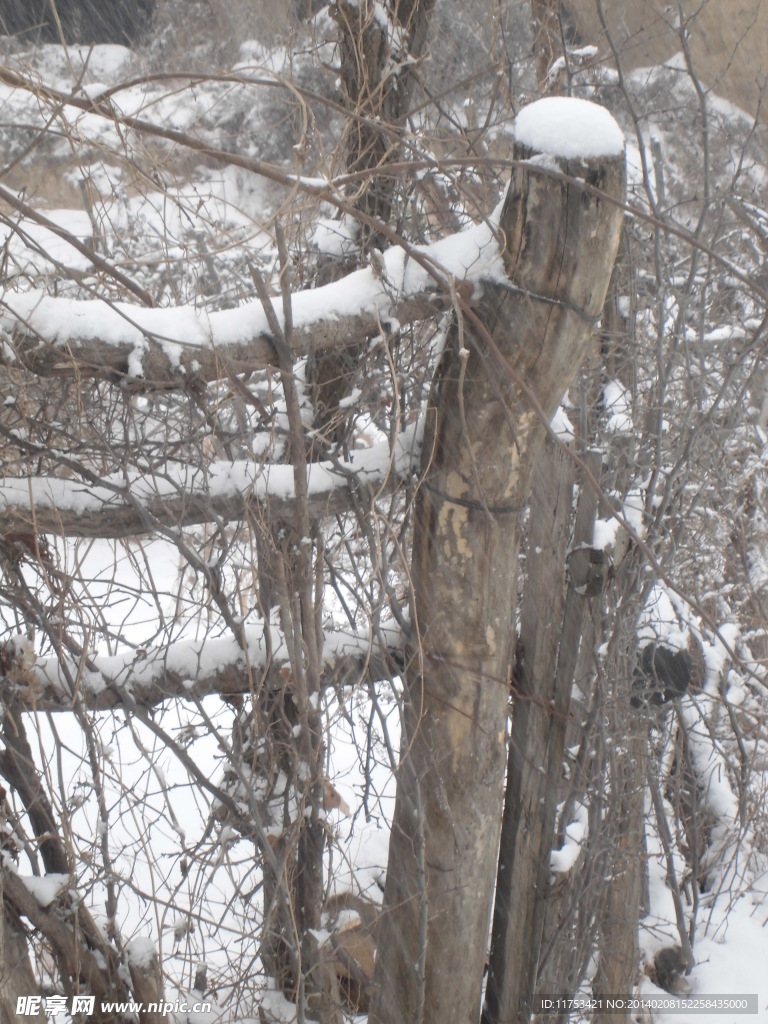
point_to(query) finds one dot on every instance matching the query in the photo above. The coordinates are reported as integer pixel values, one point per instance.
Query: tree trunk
(378, 101)
(482, 438)
(547, 43)
(17, 979)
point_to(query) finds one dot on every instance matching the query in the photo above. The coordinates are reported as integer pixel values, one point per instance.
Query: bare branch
(85, 250)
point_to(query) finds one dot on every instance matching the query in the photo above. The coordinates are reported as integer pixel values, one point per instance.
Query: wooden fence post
(550, 631)
(502, 375)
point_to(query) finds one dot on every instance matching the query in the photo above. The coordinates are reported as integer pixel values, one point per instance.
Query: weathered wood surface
(618, 956)
(550, 631)
(482, 438)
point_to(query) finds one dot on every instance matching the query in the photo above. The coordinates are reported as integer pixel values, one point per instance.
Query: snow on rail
(472, 254)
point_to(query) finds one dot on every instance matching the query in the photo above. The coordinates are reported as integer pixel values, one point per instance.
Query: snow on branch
(169, 347)
(123, 505)
(85, 952)
(190, 669)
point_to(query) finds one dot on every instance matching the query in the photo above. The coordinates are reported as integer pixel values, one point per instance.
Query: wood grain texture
(483, 437)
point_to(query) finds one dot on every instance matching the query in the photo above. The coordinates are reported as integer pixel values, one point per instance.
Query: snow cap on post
(582, 140)
(562, 126)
